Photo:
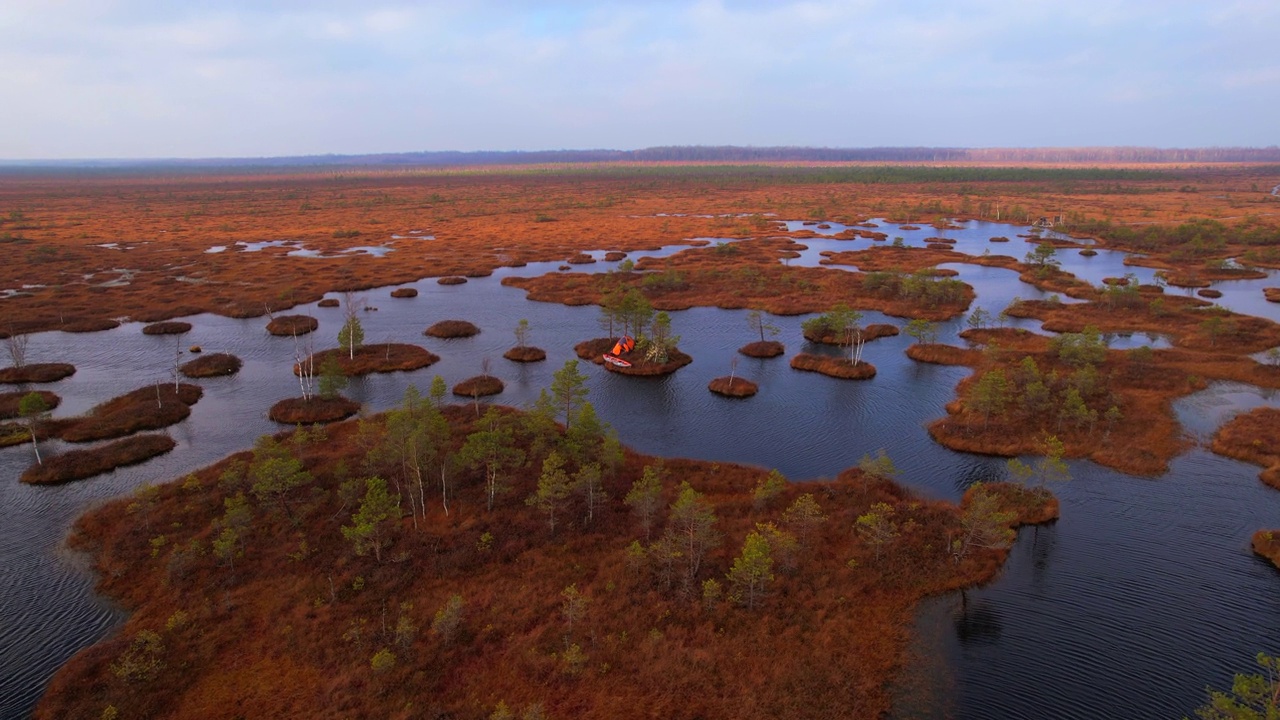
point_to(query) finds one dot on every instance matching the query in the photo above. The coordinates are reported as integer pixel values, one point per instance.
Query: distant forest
(720, 154)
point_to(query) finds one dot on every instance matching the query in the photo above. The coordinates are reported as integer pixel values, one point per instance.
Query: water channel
(1140, 596)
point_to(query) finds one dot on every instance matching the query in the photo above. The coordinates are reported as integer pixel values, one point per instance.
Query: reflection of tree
(977, 622)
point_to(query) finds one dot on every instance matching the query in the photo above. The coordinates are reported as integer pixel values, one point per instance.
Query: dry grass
(81, 464)
(1267, 544)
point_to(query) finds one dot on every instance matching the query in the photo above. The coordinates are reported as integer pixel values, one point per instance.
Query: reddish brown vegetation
(734, 387)
(763, 349)
(10, 401)
(836, 367)
(614, 256)
(214, 365)
(749, 277)
(1033, 506)
(37, 373)
(939, 354)
(1209, 293)
(287, 325)
(404, 293)
(1254, 437)
(874, 331)
(452, 280)
(1272, 294)
(452, 329)
(147, 408)
(581, 259)
(328, 303)
(525, 354)
(171, 327)
(308, 411)
(295, 626)
(479, 386)
(470, 215)
(380, 358)
(80, 464)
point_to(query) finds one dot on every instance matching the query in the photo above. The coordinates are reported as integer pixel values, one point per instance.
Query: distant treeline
(720, 154)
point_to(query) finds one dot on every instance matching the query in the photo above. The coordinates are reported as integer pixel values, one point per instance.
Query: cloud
(136, 78)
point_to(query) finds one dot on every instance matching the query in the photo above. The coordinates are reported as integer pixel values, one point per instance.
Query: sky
(250, 78)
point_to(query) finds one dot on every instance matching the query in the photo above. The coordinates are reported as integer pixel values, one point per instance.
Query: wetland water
(1143, 593)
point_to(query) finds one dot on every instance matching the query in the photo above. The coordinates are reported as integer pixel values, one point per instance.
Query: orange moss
(36, 373)
(836, 367)
(213, 365)
(479, 386)
(80, 464)
(328, 303)
(1272, 294)
(763, 349)
(734, 387)
(452, 329)
(288, 325)
(451, 280)
(1031, 506)
(380, 358)
(404, 293)
(308, 411)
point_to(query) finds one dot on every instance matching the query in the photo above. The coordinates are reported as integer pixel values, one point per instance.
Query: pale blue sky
(138, 78)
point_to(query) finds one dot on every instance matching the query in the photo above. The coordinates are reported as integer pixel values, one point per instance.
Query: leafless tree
(17, 346)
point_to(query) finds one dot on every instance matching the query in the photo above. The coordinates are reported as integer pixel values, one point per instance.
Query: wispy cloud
(146, 78)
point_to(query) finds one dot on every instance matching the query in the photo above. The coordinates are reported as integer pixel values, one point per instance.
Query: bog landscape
(613, 438)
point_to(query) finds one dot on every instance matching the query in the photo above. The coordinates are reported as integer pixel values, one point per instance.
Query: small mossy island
(763, 349)
(147, 408)
(479, 386)
(834, 366)
(1267, 544)
(1253, 437)
(380, 358)
(449, 329)
(580, 259)
(1272, 294)
(11, 402)
(593, 350)
(404, 293)
(328, 303)
(525, 354)
(734, 387)
(452, 280)
(644, 367)
(287, 325)
(212, 365)
(75, 465)
(171, 327)
(36, 373)
(313, 410)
